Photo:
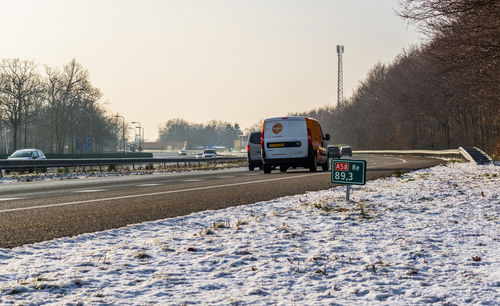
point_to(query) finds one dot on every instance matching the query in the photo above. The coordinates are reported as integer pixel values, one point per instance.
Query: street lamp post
(123, 132)
(135, 135)
(141, 134)
(141, 138)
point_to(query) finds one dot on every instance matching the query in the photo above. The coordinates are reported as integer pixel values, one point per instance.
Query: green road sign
(347, 171)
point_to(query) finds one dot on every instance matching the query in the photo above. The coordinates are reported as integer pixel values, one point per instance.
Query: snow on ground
(430, 236)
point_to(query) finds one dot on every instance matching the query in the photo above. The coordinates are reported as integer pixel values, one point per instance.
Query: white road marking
(225, 177)
(9, 199)
(158, 193)
(89, 190)
(388, 163)
(149, 185)
(193, 180)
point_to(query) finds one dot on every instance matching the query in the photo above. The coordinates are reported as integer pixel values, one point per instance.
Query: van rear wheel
(267, 169)
(325, 166)
(314, 165)
(283, 168)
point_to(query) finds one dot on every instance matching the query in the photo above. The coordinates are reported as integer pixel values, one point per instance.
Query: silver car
(27, 154)
(209, 153)
(253, 151)
(346, 150)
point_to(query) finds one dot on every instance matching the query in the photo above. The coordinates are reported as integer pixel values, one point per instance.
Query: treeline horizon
(214, 132)
(440, 95)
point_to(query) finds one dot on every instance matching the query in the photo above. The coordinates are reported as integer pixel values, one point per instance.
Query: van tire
(283, 168)
(251, 167)
(325, 166)
(267, 169)
(314, 164)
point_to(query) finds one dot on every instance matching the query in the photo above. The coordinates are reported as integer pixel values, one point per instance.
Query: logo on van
(277, 128)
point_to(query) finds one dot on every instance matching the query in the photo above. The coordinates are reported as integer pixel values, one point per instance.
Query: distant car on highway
(346, 150)
(27, 154)
(208, 153)
(199, 155)
(182, 152)
(253, 151)
(333, 152)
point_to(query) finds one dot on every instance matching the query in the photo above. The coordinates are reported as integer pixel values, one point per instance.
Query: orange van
(294, 141)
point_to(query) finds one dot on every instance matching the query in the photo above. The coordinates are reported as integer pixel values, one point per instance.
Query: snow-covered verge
(423, 237)
(37, 177)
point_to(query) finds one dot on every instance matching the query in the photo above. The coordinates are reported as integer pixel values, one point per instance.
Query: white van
(294, 141)
(253, 151)
(208, 153)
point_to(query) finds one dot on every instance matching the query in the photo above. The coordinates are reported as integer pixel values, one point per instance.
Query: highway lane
(33, 212)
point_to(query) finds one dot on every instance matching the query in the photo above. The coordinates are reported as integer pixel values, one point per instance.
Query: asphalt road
(39, 211)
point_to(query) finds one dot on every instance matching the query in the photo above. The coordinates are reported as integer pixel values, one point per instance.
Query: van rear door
(285, 137)
(275, 137)
(298, 134)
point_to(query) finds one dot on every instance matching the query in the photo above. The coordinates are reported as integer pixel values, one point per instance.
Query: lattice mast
(340, 83)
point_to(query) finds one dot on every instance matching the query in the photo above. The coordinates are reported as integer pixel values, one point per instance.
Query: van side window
(255, 138)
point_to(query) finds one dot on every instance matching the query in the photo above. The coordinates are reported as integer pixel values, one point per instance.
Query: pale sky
(231, 60)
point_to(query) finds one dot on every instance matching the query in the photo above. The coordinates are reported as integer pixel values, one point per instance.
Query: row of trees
(443, 94)
(200, 135)
(56, 110)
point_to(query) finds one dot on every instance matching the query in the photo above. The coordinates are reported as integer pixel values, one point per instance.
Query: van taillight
(248, 148)
(262, 139)
(309, 138)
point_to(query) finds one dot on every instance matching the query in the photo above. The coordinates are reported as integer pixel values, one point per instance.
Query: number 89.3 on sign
(343, 176)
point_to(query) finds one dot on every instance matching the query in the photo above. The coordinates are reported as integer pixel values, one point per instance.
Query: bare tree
(66, 90)
(465, 43)
(20, 90)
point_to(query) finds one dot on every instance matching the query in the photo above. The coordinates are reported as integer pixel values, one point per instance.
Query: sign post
(348, 172)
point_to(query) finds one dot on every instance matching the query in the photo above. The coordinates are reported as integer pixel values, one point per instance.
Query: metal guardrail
(56, 163)
(452, 153)
(476, 155)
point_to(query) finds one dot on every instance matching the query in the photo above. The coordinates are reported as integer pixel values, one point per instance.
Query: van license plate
(276, 145)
